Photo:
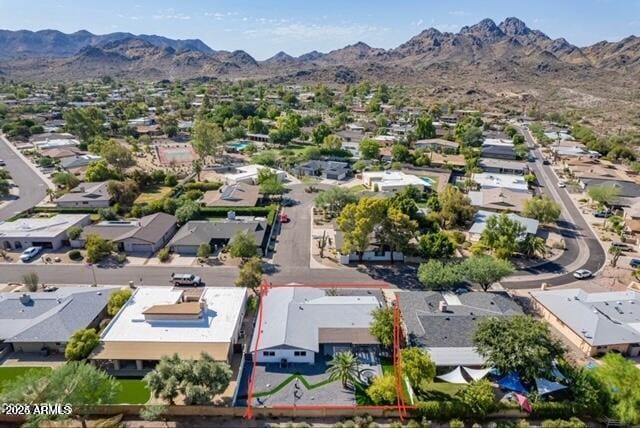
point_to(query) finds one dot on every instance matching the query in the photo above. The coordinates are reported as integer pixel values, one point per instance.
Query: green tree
(331, 143)
(243, 244)
(208, 138)
(400, 153)
(485, 270)
(478, 397)
(621, 379)
(436, 245)
(117, 155)
(74, 232)
(543, 209)
(123, 192)
(85, 123)
(615, 252)
(344, 367)
(187, 211)
(533, 246)
(65, 179)
(5, 187)
(603, 194)
(396, 230)
(334, 199)
(501, 234)
(455, 207)
(81, 343)
(98, 248)
(435, 275)
(204, 250)
(77, 384)
(100, 171)
(418, 367)
(117, 300)
(319, 133)
(369, 149)
(383, 389)
(358, 221)
(30, 280)
(382, 326)
(424, 127)
(519, 343)
(250, 275)
(199, 381)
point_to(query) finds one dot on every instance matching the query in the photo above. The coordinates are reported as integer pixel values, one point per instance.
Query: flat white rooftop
(40, 227)
(488, 180)
(394, 178)
(224, 306)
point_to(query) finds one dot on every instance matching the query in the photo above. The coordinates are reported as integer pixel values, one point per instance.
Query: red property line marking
(338, 407)
(397, 359)
(335, 285)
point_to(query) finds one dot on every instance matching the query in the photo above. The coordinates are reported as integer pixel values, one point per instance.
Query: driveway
(33, 188)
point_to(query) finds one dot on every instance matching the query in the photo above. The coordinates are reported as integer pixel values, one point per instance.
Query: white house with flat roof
(393, 181)
(46, 232)
(530, 225)
(158, 321)
(249, 174)
(300, 322)
(488, 180)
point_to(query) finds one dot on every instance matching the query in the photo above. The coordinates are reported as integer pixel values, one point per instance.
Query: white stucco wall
(286, 354)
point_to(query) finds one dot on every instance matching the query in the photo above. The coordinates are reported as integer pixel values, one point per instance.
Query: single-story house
(495, 151)
(499, 199)
(33, 322)
(488, 180)
(439, 145)
(62, 152)
(249, 174)
(217, 234)
(50, 141)
(258, 138)
(233, 195)
(86, 195)
(301, 322)
(331, 170)
(444, 323)
(594, 322)
(78, 161)
(629, 191)
(386, 140)
(46, 232)
(143, 236)
(503, 166)
(393, 181)
(159, 321)
(480, 223)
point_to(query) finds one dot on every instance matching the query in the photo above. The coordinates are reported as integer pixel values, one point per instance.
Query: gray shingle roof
(428, 327)
(50, 317)
(197, 232)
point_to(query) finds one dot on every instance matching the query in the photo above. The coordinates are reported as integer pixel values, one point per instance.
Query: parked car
(288, 202)
(30, 253)
(602, 214)
(283, 218)
(2, 162)
(582, 274)
(546, 162)
(634, 263)
(186, 279)
(562, 184)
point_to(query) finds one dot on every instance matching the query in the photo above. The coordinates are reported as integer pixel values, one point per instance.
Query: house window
(300, 353)
(268, 353)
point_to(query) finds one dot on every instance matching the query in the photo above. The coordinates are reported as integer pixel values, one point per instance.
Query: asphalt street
(32, 188)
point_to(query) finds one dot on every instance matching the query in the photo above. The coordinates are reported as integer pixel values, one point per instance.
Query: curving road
(33, 189)
(583, 250)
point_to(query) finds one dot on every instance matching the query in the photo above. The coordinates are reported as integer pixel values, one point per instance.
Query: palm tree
(345, 367)
(533, 245)
(197, 167)
(51, 193)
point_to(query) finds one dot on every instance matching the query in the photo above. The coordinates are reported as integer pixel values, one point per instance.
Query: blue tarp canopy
(512, 383)
(546, 386)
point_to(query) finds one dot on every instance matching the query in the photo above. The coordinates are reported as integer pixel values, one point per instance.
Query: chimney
(442, 306)
(25, 299)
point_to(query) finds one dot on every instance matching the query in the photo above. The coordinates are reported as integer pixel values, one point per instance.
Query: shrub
(552, 409)
(561, 423)
(163, 255)
(456, 423)
(117, 301)
(203, 185)
(74, 232)
(75, 255)
(81, 344)
(121, 258)
(441, 410)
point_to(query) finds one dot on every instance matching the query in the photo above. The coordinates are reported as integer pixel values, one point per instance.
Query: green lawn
(8, 374)
(358, 188)
(154, 193)
(133, 391)
(442, 390)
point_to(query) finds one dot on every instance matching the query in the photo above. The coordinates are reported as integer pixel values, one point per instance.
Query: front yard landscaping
(152, 194)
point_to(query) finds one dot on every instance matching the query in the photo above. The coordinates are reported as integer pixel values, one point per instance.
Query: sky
(265, 27)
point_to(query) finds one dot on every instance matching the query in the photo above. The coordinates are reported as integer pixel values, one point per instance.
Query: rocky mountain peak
(486, 29)
(514, 27)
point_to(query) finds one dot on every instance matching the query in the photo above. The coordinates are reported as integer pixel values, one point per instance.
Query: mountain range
(485, 60)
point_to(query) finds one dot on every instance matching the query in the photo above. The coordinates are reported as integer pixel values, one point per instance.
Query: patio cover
(512, 383)
(546, 386)
(454, 376)
(557, 373)
(476, 374)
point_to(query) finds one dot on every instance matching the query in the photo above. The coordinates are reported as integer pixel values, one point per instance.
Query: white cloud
(346, 32)
(459, 13)
(417, 23)
(170, 14)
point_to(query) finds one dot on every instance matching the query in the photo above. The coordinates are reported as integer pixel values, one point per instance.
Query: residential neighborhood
(295, 251)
